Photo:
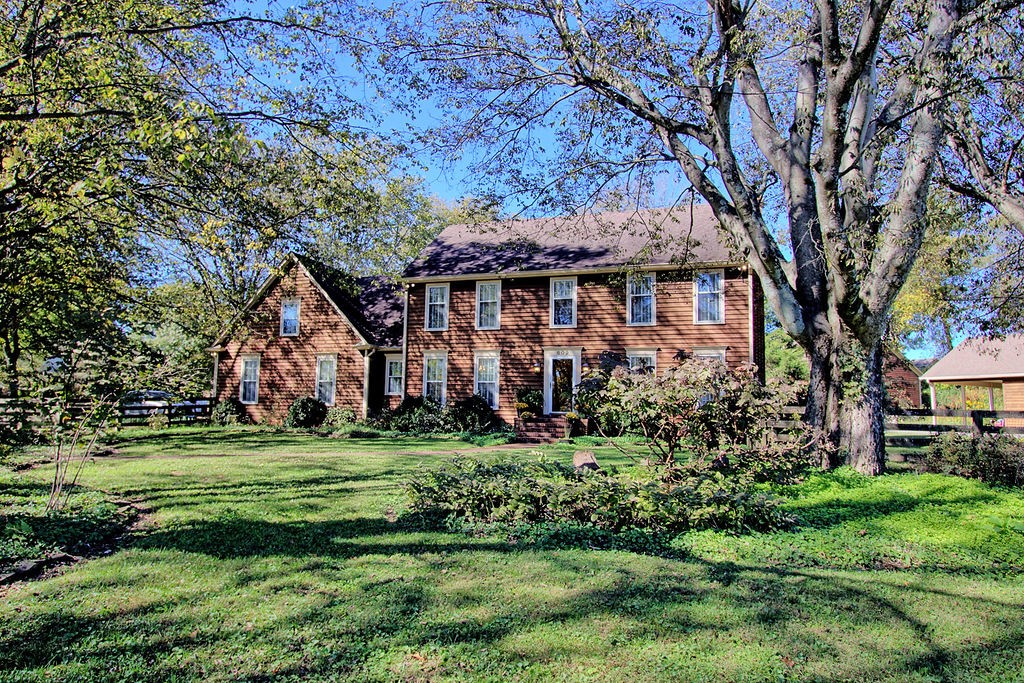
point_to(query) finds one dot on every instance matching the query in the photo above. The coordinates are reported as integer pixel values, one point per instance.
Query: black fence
(16, 413)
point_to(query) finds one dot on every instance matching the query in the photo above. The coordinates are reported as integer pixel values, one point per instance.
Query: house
(505, 307)
(313, 331)
(990, 363)
(902, 380)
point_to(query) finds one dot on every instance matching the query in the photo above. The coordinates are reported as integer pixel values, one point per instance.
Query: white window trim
(298, 316)
(643, 351)
(575, 302)
(388, 360)
(718, 352)
(426, 306)
(721, 294)
(497, 316)
(316, 378)
(241, 378)
(428, 355)
(496, 355)
(629, 301)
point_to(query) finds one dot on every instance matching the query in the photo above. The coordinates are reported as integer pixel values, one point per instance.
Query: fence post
(977, 420)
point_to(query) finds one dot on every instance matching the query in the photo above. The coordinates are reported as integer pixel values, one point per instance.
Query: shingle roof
(980, 359)
(680, 235)
(374, 305)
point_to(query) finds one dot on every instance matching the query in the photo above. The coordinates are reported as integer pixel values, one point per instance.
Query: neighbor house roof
(373, 306)
(980, 359)
(676, 236)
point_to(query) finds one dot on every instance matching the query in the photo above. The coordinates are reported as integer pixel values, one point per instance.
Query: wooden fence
(26, 412)
(918, 426)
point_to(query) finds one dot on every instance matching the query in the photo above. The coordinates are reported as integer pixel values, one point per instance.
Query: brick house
(313, 331)
(532, 304)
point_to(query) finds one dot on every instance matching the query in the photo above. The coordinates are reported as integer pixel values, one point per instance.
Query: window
(249, 388)
(708, 306)
(642, 360)
(289, 317)
(640, 299)
(394, 375)
(435, 374)
(563, 302)
(485, 377)
(326, 373)
(715, 352)
(437, 307)
(488, 305)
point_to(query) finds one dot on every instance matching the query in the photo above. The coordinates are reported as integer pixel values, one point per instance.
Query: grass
(270, 556)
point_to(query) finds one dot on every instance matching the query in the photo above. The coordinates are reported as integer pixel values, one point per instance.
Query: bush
(339, 417)
(228, 412)
(158, 421)
(306, 412)
(424, 415)
(475, 490)
(992, 458)
(474, 415)
(530, 400)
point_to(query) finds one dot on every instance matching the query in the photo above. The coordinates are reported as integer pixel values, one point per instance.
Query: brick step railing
(540, 429)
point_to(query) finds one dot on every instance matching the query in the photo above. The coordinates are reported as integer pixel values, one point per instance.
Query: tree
(827, 114)
(122, 123)
(968, 279)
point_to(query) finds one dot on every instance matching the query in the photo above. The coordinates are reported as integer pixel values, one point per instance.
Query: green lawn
(272, 556)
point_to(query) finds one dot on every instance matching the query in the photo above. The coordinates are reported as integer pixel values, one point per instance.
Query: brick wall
(288, 364)
(601, 327)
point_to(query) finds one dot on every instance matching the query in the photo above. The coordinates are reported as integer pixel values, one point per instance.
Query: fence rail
(922, 423)
(14, 412)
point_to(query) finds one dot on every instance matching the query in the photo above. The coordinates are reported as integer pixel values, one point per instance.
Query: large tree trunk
(845, 404)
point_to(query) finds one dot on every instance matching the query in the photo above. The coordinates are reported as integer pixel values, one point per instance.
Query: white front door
(561, 375)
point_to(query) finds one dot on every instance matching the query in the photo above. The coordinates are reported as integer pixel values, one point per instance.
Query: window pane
(564, 289)
(640, 284)
(641, 310)
(563, 312)
(709, 282)
(709, 307)
(488, 314)
(394, 378)
(290, 317)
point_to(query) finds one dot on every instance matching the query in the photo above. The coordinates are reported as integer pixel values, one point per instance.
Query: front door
(561, 375)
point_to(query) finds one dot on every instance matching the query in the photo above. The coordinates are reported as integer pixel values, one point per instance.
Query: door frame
(561, 352)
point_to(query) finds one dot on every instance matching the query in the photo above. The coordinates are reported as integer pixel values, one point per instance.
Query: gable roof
(604, 241)
(980, 359)
(372, 306)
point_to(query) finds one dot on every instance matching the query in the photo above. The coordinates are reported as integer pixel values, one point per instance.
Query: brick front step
(540, 430)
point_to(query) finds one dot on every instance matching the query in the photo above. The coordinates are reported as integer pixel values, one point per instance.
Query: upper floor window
(485, 376)
(326, 374)
(642, 360)
(563, 302)
(488, 305)
(435, 375)
(394, 375)
(709, 302)
(640, 299)
(437, 307)
(289, 317)
(249, 387)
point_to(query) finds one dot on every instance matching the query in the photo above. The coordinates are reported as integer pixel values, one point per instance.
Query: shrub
(339, 417)
(474, 415)
(228, 412)
(475, 490)
(993, 458)
(306, 412)
(424, 415)
(158, 421)
(531, 400)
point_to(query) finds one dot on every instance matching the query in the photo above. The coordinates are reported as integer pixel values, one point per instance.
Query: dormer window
(563, 302)
(640, 299)
(437, 308)
(290, 318)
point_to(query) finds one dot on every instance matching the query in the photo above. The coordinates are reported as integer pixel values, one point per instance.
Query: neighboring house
(902, 380)
(991, 363)
(313, 331)
(531, 304)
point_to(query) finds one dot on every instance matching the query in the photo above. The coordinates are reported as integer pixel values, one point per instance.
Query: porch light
(536, 368)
